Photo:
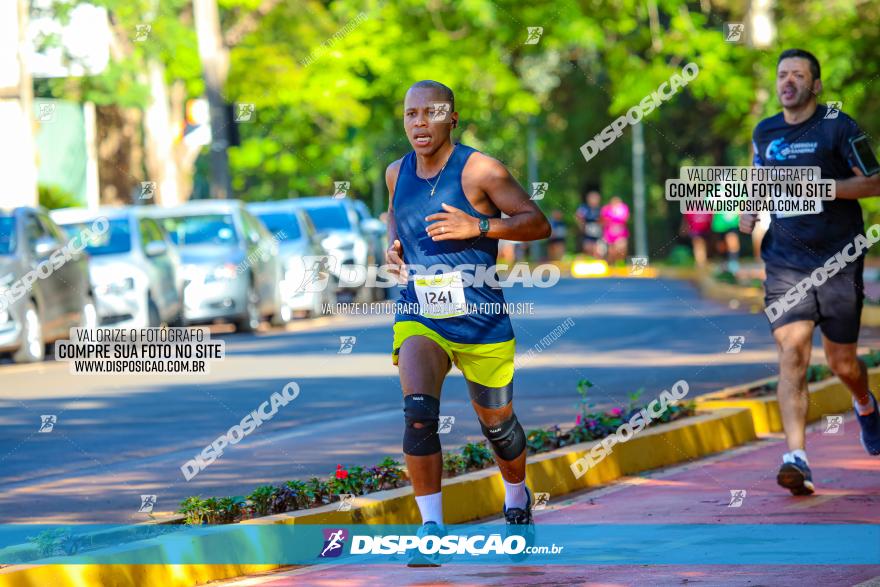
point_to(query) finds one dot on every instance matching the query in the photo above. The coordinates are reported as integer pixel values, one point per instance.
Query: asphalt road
(118, 437)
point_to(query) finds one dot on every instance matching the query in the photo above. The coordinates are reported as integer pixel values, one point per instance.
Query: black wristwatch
(484, 226)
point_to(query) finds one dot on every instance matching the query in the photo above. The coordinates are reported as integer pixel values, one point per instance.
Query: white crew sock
(866, 408)
(515, 495)
(431, 507)
(800, 453)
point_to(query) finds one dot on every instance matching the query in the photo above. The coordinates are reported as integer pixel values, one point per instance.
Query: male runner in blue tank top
(445, 209)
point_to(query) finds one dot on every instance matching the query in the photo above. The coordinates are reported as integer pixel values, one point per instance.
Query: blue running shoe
(417, 559)
(796, 477)
(870, 425)
(520, 523)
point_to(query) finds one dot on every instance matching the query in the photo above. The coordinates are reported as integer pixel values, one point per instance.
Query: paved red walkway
(848, 491)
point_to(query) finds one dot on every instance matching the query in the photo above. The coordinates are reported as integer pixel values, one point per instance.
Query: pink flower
(578, 421)
(616, 412)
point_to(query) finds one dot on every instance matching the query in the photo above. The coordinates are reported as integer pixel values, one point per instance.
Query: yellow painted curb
(465, 498)
(870, 315)
(830, 396)
(123, 575)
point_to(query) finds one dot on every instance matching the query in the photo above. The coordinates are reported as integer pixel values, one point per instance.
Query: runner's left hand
(452, 225)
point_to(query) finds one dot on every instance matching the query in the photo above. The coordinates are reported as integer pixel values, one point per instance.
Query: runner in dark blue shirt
(800, 291)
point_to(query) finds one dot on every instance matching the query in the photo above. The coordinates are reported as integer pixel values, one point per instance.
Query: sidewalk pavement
(848, 492)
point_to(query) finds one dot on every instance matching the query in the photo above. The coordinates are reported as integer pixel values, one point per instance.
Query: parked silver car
(134, 267)
(299, 248)
(230, 262)
(44, 284)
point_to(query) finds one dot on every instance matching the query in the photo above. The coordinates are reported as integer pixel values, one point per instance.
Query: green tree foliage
(328, 81)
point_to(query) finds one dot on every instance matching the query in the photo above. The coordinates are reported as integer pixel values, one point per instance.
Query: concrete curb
(826, 397)
(465, 498)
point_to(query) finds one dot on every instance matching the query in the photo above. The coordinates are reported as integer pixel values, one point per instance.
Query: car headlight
(116, 287)
(225, 272)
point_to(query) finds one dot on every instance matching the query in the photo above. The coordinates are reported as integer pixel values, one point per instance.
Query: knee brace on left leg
(507, 438)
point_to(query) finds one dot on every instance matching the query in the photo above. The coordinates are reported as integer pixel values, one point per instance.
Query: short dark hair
(446, 91)
(815, 69)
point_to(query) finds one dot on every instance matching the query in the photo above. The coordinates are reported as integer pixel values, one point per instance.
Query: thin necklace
(439, 175)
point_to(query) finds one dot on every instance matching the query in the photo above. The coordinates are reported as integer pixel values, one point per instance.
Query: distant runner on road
(445, 208)
(803, 134)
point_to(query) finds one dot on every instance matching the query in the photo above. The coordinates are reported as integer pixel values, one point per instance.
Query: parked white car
(134, 267)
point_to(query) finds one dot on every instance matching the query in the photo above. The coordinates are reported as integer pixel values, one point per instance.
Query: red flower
(341, 473)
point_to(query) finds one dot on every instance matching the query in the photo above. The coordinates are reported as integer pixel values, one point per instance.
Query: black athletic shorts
(836, 305)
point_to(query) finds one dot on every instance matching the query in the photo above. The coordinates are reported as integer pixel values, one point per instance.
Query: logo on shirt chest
(781, 150)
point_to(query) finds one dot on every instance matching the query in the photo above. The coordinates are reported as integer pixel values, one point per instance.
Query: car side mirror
(45, 246)
(155, 248)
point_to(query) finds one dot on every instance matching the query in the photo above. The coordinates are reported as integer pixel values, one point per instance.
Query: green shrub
(476, 455)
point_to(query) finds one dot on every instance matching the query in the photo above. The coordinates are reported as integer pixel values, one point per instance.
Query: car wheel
(89, 315)
(251, 320)
(33, 346)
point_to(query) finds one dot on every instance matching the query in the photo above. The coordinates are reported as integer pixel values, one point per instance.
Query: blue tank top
(487, 321)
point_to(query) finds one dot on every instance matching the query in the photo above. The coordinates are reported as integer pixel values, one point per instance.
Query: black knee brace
(490, 397)
(422, 409)
(508, 438)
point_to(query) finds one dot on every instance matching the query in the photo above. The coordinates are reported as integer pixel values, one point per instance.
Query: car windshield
(116, 240)
(203, 229)
(281, 224)
(7, 235)
(329, 217)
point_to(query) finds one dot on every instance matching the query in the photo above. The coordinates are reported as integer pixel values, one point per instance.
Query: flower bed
(389, 474)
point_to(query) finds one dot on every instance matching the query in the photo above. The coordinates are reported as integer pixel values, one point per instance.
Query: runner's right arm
(855, 188)
(394, 254)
